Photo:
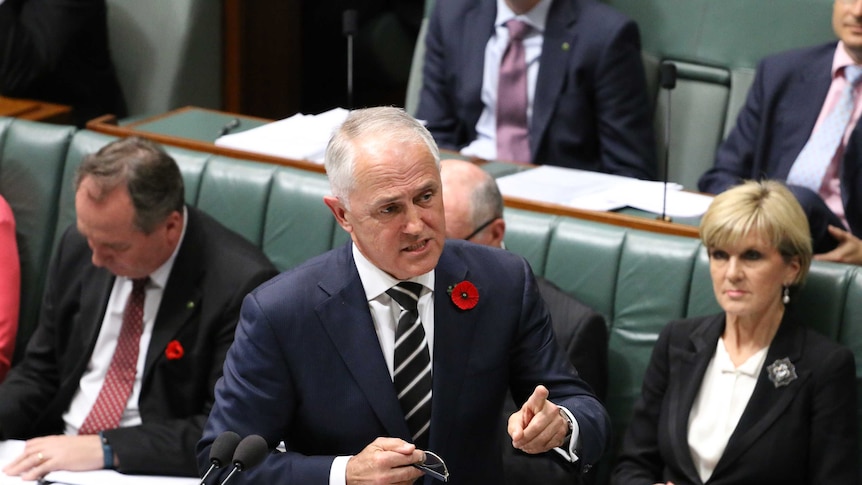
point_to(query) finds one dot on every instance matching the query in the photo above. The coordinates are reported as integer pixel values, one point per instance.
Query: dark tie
(513, 143)
(412, 375)
(810, 166)
(120, 379)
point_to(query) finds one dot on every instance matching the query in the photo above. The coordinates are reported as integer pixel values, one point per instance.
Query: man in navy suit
(793, 93)
(312, 364)
(587, 101)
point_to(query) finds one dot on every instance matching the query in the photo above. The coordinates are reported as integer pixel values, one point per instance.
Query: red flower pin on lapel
(464, 295)
(175, 350)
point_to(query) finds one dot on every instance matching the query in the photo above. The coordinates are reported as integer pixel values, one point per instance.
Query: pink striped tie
(513, 142)
(120, 379)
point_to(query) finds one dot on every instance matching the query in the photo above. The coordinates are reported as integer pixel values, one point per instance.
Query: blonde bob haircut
(767, 208)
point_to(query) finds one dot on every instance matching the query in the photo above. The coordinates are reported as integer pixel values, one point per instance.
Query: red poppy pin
(464, 295)
(175, 350)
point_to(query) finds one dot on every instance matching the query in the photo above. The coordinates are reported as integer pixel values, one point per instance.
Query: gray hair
(486, 200)
(151, 176)
(393, 123)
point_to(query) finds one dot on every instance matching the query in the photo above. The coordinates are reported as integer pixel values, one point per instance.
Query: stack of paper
(601, 192)
(300, 137)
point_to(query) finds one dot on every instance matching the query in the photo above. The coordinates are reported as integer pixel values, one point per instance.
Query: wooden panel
(29, 109)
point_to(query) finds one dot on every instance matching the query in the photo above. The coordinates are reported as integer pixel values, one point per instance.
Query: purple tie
(513, 142)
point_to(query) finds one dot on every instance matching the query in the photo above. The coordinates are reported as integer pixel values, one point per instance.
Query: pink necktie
(120, 379)
(513, 143)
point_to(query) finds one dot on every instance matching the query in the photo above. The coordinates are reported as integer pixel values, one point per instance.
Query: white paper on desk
(11, 449)
(300, 137)
(110, 477)
(679, 202)
(581, 189)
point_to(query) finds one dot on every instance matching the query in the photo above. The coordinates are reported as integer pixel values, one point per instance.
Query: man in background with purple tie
(799, 125)
(400, 341)
(140, 307)
(557, 82)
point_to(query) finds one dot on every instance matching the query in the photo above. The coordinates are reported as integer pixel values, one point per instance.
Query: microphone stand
(668, 82)
(349, 27)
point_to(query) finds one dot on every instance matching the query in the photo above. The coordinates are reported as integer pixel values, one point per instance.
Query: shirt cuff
(570, 452)
(338, 471)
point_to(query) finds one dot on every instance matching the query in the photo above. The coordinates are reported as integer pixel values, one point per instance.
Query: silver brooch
(781, 372)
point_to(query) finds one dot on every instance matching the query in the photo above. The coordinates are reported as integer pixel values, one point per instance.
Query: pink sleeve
(10, 287)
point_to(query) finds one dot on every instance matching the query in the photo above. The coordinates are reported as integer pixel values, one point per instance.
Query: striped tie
(412, 374)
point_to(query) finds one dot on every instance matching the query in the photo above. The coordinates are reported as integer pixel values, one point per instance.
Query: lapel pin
(190, 305)
(566, 46)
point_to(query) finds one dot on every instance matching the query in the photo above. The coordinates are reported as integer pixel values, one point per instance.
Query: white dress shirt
(723, 396)
(485, 144)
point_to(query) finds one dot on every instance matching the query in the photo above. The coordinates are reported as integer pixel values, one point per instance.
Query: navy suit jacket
(582, 334)
(801, 433)
(779, 114)
(306, 368)
(214, 269)
(590, 109)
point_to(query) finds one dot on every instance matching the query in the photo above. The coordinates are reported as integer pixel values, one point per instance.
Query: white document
(583, 189)
(300, 137)
(11, 449)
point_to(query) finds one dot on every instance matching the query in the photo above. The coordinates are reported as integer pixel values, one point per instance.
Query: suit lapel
(767, 402)
(347, 320)
(182, 294)
(478, 28)
(453, 337)
(690, 363)
(559, 32)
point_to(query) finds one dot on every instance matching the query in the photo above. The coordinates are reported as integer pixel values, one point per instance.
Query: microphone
(349, 27)
(667, 80)
(249, 453)
(221, 451)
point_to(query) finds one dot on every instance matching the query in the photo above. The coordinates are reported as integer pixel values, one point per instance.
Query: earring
(785, 298)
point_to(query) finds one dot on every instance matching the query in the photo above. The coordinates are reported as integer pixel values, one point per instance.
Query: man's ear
(497, 232)
(338, 210)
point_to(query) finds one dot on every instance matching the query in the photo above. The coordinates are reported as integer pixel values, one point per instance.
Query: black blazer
(214, 269)
(590, 110)
(582, 334)
(801, 433)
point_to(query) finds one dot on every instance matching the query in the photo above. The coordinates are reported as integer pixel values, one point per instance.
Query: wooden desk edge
(108, 125)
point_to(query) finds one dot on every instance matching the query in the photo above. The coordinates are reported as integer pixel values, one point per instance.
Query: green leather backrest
(235, 193)
(298, 223)
(31, 167)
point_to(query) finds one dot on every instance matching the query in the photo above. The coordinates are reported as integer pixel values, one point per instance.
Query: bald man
(473, 210)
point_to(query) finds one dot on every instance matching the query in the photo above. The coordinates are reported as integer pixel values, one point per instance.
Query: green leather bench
(638, 280)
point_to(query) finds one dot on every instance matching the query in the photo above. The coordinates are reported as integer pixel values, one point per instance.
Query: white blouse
(723, 395)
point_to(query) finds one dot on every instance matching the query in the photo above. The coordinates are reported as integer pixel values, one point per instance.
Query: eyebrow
(430, 186)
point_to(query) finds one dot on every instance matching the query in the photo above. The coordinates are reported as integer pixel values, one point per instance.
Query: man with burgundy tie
(557, 82)
(399, 342)
(799, 125)
(140, 306)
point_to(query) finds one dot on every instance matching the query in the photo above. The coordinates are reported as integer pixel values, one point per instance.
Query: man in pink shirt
(797, 99)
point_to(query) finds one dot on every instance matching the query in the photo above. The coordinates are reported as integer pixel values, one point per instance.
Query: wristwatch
(569, 424)
(107, 452)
